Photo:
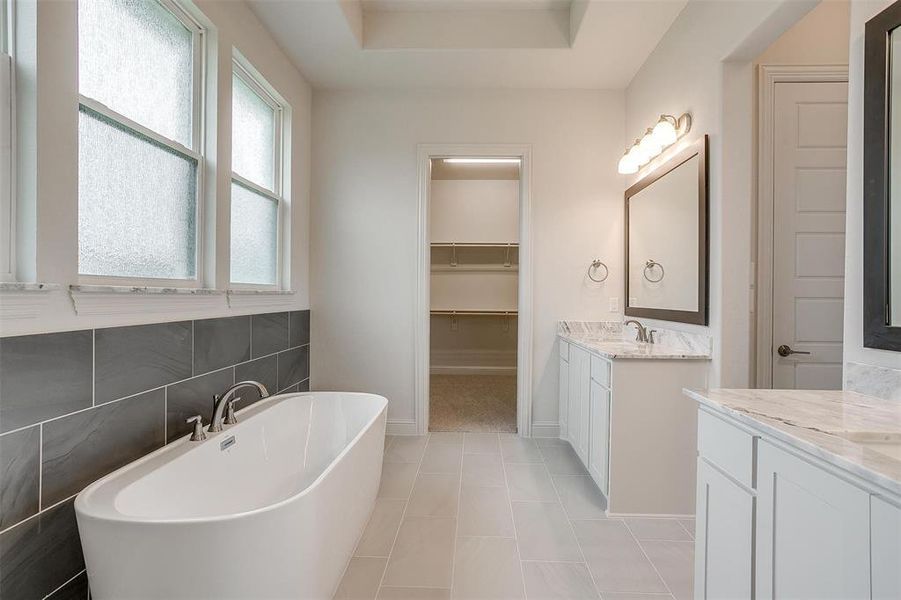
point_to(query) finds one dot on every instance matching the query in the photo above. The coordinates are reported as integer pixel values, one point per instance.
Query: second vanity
(799, 495)
(621, 409)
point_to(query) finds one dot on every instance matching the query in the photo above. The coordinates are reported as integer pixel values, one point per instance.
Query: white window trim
(241, 68)
(8, 166)
(195, 152)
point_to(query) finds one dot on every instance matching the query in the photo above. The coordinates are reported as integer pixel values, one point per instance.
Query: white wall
(49, 141)
(854, 351)
(364, 222)
(703, 66)
(817, 39)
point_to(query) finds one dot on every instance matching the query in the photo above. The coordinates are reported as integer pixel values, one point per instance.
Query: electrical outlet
(614, 304)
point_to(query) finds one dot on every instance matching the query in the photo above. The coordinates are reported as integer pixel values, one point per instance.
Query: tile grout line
(93, 367)
(522, 571)
(569, 521)
(457, 517)
(39, 513)
(648, 558)
(403, 514)
(65, 583)
(40, 466)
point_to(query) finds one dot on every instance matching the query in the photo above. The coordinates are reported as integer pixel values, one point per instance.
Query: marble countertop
(611, 347)
(858, 433)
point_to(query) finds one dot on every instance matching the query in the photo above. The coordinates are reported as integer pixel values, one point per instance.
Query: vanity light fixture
(482, 161)
(664, 134)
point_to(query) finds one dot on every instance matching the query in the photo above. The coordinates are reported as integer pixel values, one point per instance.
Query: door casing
(769, 76)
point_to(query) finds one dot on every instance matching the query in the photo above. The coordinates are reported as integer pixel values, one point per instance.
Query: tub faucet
(227, 399)
(641, 334)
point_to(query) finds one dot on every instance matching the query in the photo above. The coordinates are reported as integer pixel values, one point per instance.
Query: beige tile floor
(486, 515)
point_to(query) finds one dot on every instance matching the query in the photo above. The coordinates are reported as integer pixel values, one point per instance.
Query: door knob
(784, 350)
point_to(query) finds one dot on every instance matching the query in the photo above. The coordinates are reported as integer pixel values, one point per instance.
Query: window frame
(196, 152)
(242, 69)
(8, 165)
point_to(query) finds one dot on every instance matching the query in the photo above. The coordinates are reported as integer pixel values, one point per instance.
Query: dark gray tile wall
(133, 359)
(40, 554)
(75, 406)
(44, 376)
(82, 447)
(20, 453)
(219, 343)
(270, 333)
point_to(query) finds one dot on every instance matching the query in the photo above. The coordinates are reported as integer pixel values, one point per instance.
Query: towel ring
(595, 264)
(650, 265)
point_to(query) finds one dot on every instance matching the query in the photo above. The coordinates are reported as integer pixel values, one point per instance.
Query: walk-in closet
(474, 236)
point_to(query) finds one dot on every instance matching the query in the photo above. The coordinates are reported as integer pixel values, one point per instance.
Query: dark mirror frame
(700, 316)
(877, 333)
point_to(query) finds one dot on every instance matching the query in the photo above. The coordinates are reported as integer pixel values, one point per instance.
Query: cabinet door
(563, 397)
(599, 435)
(819, 546)
(724, 532)
(574, 411)
(585, 408)
(885, 535)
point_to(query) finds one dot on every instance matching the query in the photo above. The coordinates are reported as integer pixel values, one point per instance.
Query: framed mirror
(882, 181)
(667, 248)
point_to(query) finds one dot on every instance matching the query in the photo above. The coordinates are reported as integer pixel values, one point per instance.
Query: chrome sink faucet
(641, 334)
(225, 403)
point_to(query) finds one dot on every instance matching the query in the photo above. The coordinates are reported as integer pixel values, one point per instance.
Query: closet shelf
(492, 268)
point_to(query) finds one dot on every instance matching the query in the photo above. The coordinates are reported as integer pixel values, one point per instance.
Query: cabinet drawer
(600, 370)
(564, 350)
(727, 446)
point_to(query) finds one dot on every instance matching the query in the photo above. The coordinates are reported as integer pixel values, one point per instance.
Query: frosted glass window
(136, 204)
(137, 58)
(254, 237)
(253, 135)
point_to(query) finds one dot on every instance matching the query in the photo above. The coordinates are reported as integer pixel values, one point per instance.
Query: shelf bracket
(453, 261)
(507, 262)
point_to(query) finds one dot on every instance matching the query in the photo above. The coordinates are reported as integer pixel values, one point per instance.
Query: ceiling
(581, 44)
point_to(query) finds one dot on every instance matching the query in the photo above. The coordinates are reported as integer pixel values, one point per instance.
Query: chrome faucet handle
(198, 435)
(230, 418)
(652, 336)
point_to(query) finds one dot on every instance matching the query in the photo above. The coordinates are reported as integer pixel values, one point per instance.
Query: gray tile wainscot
(77, 405)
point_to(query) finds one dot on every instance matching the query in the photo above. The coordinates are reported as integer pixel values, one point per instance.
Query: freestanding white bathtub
(269, 508)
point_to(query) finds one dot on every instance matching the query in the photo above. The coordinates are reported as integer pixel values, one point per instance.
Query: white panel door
(723, 537)
(813, 531)
(809, 157)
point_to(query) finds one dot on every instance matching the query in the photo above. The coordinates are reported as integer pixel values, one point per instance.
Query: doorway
(473, 336)
(804, 114)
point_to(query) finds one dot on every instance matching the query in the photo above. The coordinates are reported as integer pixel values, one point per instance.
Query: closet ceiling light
(482, 161)
(665, 133)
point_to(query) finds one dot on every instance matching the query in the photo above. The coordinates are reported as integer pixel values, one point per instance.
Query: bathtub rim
(105, 510)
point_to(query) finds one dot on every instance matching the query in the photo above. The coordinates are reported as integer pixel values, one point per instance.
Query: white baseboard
(401, 428)
(470, 370)
(545, 429)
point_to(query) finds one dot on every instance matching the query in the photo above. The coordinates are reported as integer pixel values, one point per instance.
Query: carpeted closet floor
(485, 403)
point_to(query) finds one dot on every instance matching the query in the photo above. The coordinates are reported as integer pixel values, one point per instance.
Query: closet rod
(475, 244)
(455, 313)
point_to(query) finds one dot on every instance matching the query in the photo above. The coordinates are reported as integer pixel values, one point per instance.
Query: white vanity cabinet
(629, 424)
(775, 521)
